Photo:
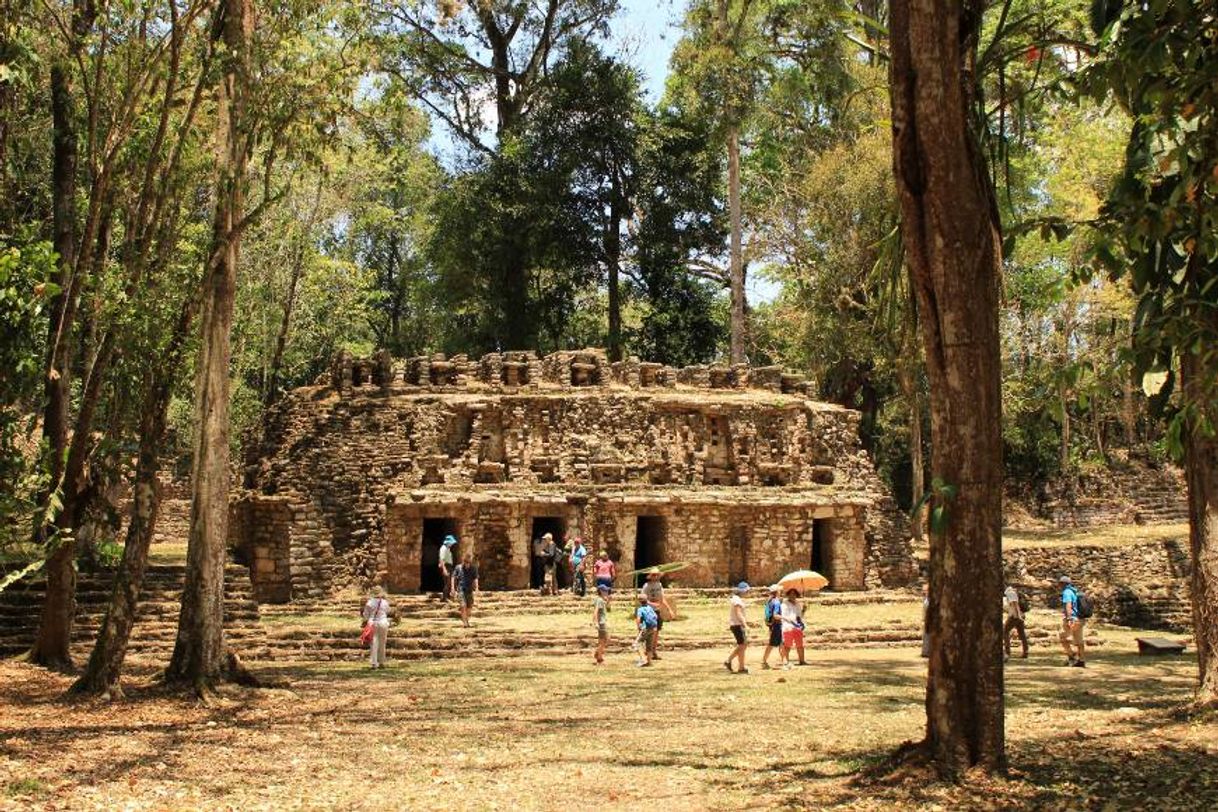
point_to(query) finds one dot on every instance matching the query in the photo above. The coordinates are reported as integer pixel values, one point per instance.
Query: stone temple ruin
(732, 469)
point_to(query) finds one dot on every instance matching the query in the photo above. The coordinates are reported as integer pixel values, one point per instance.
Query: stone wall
(1144, 585)
(1131, 491)
(737, 460)
(722, 538)
(282, 540)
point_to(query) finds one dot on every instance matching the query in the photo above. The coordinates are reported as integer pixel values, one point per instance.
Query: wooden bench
(1158, 646)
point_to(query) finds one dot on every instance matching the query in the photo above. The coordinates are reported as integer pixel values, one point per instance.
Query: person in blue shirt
(1072, 625)
(646, 619)
(579, 583)
(773, 621)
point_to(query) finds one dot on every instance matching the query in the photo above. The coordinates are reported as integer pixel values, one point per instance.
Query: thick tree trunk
(1199, 380)
(199, 656)
(735, 248)
(105, 665)
(52, 646)
(613, 259)
(950, 227)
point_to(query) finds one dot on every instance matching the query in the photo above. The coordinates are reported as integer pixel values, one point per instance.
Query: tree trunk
(289, 303)
(52, 646)
(735, 250)
(1128, 418)
(105, 665)
(917, 465)
(950, 227)
(613, 259)
(199, 651)
(1063, 448)
(1199, 374)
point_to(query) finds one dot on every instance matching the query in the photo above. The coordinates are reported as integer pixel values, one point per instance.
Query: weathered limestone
(728, 468)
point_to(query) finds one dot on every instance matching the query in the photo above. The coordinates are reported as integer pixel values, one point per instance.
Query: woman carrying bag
(376, 626)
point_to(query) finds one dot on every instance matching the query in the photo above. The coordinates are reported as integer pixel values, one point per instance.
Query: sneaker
(765, 666)
(655, 657)
(787, 666)
(727, 664)
(1080, 663)
(743, 671)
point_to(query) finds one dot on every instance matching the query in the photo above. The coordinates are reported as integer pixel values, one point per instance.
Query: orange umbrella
(804, 581)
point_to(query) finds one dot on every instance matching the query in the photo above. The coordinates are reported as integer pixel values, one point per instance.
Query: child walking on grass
(646, 620)
(739, 627)
(600, 616)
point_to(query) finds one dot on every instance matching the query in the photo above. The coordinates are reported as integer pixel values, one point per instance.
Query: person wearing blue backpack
(773, 622)
(1075, 611)
(647, 621)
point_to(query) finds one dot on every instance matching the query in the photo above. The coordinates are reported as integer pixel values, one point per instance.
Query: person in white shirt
(376, 613)
(446, 567)
(792, 628)
(1014, 621)
(739, 627)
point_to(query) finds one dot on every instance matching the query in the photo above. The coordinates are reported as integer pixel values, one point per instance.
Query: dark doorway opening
(822, 548)
(434, 531)
(650, 535)
(738, 556)
(557, 527)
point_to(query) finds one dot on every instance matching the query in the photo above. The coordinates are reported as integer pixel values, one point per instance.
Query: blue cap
(742, 586)
(450, 541)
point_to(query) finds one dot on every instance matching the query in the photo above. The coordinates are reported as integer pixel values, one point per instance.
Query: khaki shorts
(1072, 632)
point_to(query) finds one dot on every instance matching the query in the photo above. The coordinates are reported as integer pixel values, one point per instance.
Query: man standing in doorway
(549, 562)
(1014, 622)
(653, 591)
(446, 567)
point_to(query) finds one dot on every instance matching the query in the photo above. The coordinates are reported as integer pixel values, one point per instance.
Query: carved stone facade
(731, 469)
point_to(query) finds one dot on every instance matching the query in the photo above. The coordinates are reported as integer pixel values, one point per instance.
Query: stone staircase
(425, 628)
(156, 618)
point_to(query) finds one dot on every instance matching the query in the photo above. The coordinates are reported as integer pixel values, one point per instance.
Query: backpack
(769, 612)
(1025, 605)
(1084, 608)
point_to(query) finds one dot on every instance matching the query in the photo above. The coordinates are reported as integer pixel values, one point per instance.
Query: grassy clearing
(1108, 536)
(536, 732)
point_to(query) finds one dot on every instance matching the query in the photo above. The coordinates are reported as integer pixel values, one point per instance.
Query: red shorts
(793, 637)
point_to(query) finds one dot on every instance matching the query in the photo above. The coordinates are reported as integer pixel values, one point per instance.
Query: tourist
(1072, 625)
(600, 617)
(376, 614)
(604, 570)
(739, 626)
(925, 612)
(792, 628)
(654, 590)
(579, 583)
(773, 622)
(466, 578)
(647, 621)
(1014, 622)
(446, 567)
(549, 563)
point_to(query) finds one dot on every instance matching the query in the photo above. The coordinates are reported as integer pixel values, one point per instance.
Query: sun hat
(743, 586)
(548, 536)
(1065, 579)
(653, 571)
(450, 541)
(775, 588)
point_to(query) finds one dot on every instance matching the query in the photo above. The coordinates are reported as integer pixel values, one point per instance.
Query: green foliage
(1159, 225)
